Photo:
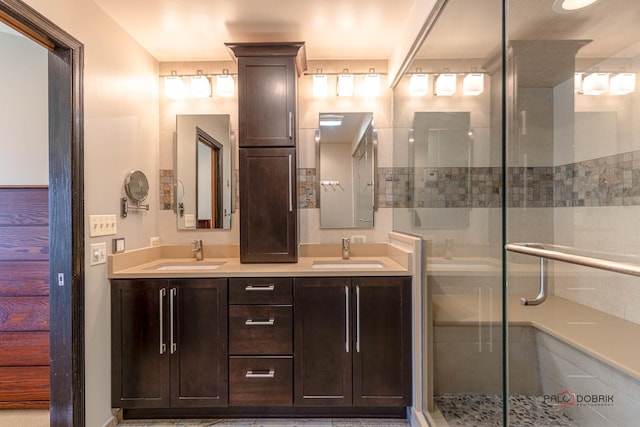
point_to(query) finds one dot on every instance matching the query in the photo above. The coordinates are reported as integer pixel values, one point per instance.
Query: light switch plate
(98, 253)
(102, 225)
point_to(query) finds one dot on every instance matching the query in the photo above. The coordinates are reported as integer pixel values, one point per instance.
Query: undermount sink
(347, 264)
(188, 266)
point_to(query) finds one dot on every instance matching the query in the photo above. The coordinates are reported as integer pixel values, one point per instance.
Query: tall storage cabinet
(267, 116)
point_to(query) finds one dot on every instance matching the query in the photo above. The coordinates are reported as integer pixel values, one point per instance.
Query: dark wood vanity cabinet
(269, 212)
(169, 343)
(267, 109)
(352, 342)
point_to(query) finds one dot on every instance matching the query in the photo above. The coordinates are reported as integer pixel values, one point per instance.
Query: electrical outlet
(360, 238)
(189, 221)
(154, 241)
(118, 245)
(98, 253)
(102, 225)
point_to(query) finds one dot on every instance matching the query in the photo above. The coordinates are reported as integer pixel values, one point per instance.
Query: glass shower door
(573, 195)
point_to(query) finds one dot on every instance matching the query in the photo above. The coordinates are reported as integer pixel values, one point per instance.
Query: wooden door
(382, 354)
(198, 342)
(139, 351)
(268, 213)
(267, 101)
(322, 342)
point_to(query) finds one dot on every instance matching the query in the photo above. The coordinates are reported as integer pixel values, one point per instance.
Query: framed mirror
(204, 171)
(346, 158)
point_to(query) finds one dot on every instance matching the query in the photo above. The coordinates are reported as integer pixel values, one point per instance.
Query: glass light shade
(595, 84)
(345, 85)
(419, 85)
(372, 85)
(563, 6)
(577, 82)
(622, 84)
(473, 84)
(320, 85)
(174, 87)
(225, 85)
(445, 84)
(200, 87)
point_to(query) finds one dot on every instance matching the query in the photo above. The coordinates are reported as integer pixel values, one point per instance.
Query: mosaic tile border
(606, 181)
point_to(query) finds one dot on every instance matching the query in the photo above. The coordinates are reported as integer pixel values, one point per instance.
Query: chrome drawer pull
(263, 373)
(260, 287)
(251, 322)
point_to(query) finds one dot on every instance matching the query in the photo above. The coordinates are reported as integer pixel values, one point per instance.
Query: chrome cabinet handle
(251, 322)
(163, 346)
(173, 345)
(290, 125)
(260, 373)
(290, 183)
(346, 317)
(260, 287)
(358, 319)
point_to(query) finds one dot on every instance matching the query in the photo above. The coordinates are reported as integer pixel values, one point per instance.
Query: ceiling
(196, 30)
(533, 20)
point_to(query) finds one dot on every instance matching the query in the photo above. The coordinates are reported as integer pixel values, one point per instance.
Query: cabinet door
(382, 354)
(139, 354)
(268, 213)
(267, 101)
(322, 332)
(198, 342)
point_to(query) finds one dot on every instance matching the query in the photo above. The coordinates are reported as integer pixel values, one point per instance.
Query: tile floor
(275, 422)
(465, 410)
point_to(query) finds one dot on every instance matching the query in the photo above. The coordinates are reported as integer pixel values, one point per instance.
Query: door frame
(66, 210)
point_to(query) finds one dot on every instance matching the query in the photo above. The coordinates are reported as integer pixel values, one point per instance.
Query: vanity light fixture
(225, 84)
(419, 83)
(445, 84)
(345, 83)
(372, 83)
(595, 84)
(320, 84)
(473, 84)
(565, 6)
(200, 86)
(622, 83)
(331, 120)
(174, 86)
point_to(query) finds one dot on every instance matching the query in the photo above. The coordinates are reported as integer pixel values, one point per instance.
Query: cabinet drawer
(260, 329)
(260, 381)
(275, 290)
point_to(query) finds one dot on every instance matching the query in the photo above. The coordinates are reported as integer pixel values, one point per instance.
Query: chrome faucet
(345, 248)
(449, 248)
(198, 250)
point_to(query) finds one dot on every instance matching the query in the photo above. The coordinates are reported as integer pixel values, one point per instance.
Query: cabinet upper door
(268, 218)
(198, 342)
(382, 354)
(267, 101)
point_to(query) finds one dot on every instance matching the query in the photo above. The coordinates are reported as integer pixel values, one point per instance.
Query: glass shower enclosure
(524, 184)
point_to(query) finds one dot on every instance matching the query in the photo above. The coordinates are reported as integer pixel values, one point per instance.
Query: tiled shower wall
(605, 181)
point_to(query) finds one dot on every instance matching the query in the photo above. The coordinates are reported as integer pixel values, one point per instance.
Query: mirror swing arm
(136, 186)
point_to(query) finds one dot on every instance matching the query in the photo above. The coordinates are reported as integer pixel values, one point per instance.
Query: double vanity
(325, 336)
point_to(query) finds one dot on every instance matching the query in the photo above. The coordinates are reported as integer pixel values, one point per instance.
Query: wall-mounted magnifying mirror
(204, 164)
(346, 158)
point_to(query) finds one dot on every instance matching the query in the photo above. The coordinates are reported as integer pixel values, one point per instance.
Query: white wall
(120, 134)
(24, 139)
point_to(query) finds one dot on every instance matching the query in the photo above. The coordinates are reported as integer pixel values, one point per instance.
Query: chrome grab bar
(537, 249)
